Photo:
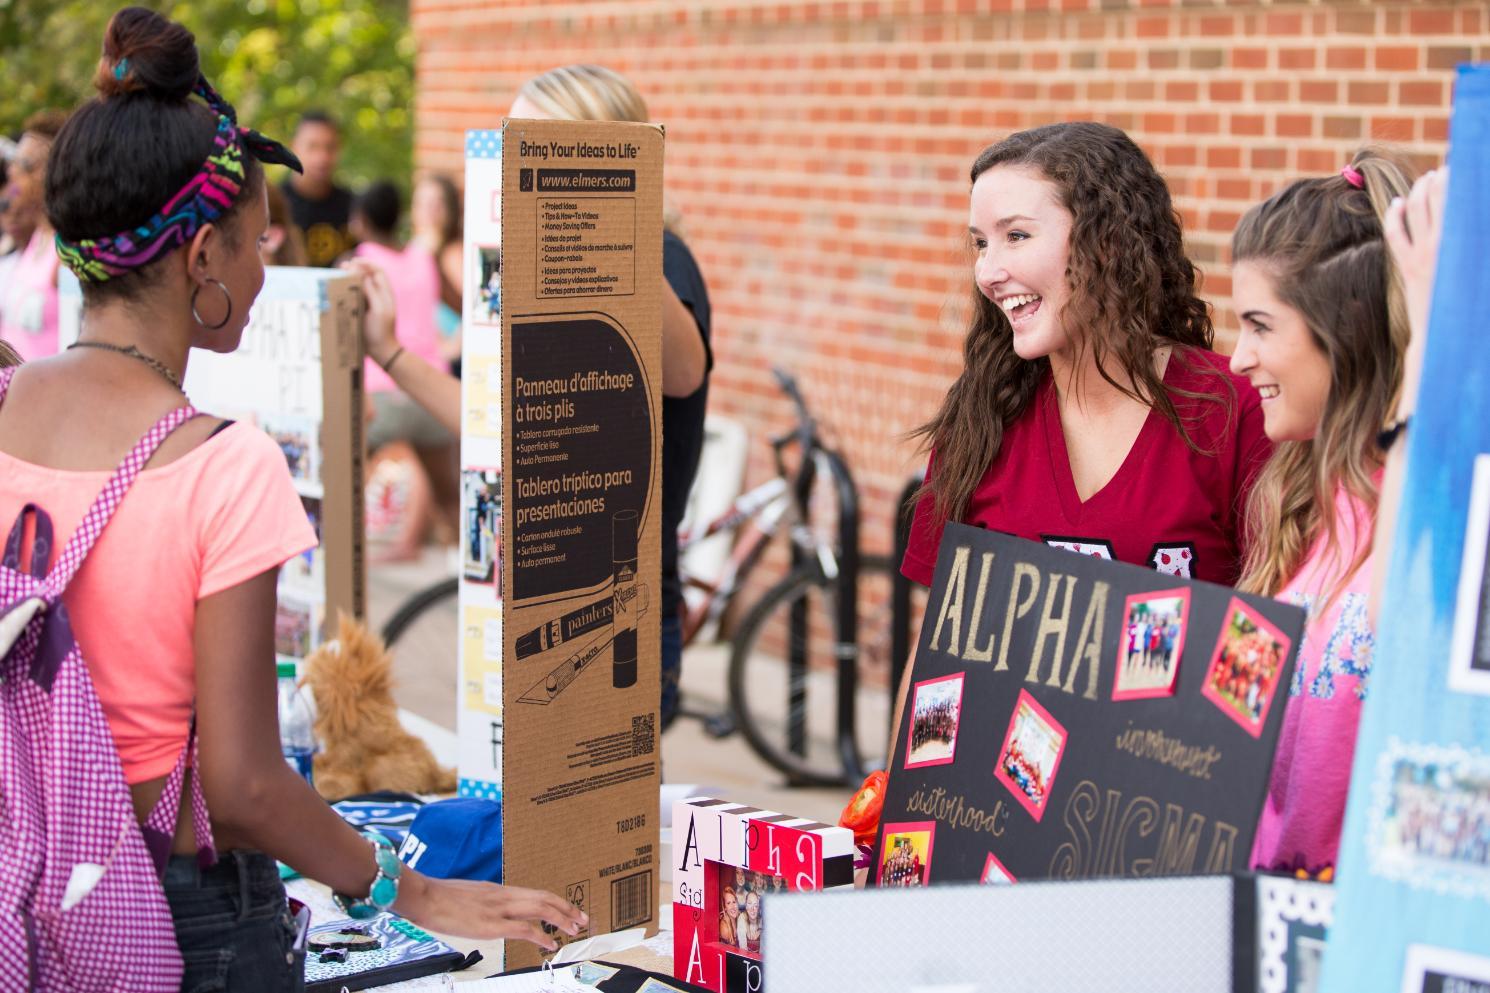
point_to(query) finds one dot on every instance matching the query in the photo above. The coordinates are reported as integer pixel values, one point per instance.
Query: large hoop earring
(226, 296)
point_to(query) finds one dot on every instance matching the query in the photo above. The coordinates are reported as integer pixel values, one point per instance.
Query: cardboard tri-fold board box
(561, 511)
(296, 374)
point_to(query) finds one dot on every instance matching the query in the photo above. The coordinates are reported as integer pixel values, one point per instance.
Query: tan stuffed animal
(363, 746)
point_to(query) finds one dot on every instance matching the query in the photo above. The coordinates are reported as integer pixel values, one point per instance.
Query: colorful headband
(205, 197)
(1353, 177)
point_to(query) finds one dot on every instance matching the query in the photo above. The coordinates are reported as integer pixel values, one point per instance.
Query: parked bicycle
(809, 680)
(810, 684)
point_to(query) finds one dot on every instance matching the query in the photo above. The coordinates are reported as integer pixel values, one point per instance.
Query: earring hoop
(226, 296)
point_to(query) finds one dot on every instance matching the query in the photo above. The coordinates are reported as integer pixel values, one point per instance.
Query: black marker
(581, 620)
(550, 686)
(623, 590)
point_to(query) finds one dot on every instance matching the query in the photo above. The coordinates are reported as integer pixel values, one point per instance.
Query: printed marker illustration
(624, 526)
(582, 620)
(622, 608)
(550, 686)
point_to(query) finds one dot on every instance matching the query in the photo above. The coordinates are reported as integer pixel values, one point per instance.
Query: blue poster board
(1413, 907)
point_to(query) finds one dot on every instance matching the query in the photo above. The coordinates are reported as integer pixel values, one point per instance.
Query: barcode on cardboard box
(643, 734)
(631, 900)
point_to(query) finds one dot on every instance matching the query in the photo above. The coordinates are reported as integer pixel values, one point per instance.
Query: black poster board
(1137, 742)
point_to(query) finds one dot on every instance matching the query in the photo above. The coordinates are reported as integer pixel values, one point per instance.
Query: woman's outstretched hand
(377, 324)
(1413, 227)
(468, 909)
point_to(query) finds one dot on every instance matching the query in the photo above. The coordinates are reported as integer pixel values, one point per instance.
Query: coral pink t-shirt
(28, 300)
(219, 515)
(414, 277)
(1168, 507)
(1305, 807)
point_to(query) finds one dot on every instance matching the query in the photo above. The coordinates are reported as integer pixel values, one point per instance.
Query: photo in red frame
(936, 710)
(1031, 754)
(994, 872)
(1242, 677)
(905, 859)
(1154, 626)
(741, 901)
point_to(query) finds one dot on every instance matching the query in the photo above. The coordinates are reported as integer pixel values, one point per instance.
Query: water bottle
(296, 725)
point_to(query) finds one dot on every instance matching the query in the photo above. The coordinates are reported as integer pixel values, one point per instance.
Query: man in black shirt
(687, 359)
(318, 206)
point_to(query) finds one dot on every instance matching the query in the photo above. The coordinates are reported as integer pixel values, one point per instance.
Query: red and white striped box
(722, 850)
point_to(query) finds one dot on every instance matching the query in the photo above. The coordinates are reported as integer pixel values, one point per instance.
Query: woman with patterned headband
(158, 202)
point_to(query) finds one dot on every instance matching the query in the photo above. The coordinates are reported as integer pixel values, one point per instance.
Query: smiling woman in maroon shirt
(1091, 413)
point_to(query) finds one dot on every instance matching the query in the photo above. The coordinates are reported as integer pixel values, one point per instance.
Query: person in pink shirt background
(410, 449)
(1323, 335)
(28, 297)
(413, 275)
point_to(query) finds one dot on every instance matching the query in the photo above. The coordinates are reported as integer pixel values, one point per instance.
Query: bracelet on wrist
(384, 889)
(388, 366)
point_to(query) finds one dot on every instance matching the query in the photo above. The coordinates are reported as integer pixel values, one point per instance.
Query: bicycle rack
(845, 623)
(848, 618)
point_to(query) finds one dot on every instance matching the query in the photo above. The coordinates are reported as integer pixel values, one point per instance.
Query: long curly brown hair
(1322, 242)
(1132, 291)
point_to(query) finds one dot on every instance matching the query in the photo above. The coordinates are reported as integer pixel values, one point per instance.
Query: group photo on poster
(1246, 667)
(905, 859)
(1130, 696)
(1031, 755)
(1154, 638)
(481, 525)
(935, 711)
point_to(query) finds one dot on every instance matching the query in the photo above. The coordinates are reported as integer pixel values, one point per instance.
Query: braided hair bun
(148, 54)
(124, 154)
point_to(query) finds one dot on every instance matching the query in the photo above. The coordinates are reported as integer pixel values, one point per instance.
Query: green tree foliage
(272, 59)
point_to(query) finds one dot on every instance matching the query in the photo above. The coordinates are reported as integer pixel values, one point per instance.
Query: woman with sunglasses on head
(1324, 329)
(159, 205)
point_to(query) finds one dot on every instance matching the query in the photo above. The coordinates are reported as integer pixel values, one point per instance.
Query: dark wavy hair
(1132, 290)
(127, 151)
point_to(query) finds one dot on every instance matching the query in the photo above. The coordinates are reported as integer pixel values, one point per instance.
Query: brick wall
(819, 151)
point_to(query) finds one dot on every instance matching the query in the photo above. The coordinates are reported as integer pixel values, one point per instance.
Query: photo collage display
(742, 905)
(300, 610)
(1240, 679)
(732, 861)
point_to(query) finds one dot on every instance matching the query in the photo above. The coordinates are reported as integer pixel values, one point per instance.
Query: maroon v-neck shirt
(1168, 506)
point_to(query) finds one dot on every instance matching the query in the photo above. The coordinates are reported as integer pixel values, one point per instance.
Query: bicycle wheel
(422, 635)
(784, 671)
(411, 609)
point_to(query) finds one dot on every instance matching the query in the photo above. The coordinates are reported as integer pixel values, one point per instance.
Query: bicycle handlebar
(806, 426)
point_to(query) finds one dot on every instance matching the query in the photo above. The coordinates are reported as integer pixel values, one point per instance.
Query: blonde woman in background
(594, 93)
(435, 215)
(1323, 336)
